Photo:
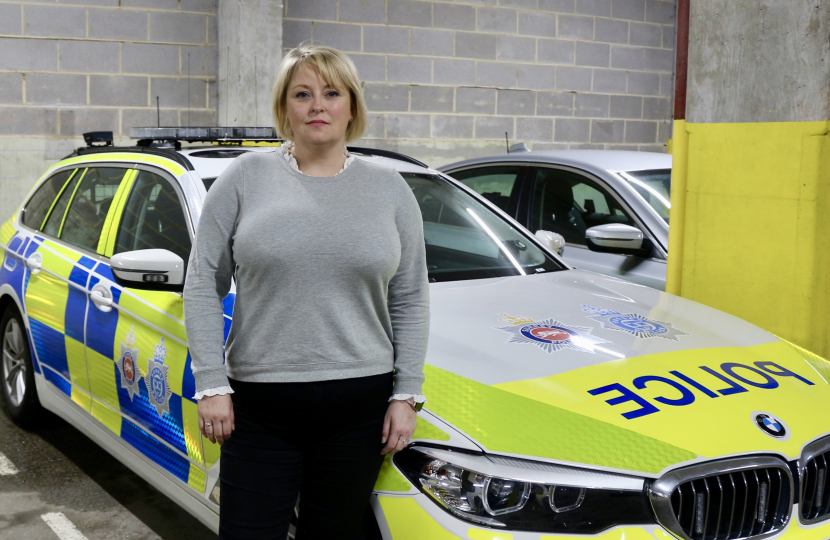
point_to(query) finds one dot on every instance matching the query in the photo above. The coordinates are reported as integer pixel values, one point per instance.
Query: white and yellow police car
(563, 404)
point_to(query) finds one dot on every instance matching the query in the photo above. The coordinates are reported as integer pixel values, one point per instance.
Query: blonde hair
(335, 68)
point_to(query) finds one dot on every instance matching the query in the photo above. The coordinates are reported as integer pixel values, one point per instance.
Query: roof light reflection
(498, 242)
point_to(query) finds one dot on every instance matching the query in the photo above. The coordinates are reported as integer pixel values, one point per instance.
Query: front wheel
(17, 374)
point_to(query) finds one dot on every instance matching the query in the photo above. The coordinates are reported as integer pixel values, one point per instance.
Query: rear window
(41, 202)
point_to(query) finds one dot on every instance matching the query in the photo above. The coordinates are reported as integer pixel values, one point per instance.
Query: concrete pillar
(250, 49)
(750, 225)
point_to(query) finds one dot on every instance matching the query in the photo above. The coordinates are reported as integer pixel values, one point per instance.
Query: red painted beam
(682, 59)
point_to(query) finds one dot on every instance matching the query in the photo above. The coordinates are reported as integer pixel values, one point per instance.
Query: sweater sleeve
(408, 298)
(209, 276)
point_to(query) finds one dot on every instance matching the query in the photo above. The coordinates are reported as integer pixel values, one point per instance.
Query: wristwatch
(415, 406)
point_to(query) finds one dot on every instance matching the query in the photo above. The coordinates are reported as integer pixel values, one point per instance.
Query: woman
(324, 361)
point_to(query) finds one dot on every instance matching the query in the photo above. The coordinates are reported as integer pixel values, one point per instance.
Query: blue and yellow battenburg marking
(550, 335)
(632, 323)
(128, 365)
(156, 380)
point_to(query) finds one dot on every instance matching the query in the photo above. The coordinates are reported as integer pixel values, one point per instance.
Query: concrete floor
(61, 470)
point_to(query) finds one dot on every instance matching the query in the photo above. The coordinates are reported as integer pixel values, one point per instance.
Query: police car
(562, 403)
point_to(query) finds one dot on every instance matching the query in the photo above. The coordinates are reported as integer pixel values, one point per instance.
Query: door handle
(34, 262)
(101, 297)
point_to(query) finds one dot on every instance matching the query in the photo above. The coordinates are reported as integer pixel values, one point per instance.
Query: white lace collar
(287, 149)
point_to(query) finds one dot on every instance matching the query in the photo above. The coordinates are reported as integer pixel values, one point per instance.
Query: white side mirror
(148, 267)
(554, 242)
(615, 235)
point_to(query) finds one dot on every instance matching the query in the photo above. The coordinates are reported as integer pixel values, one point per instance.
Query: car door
(568, 202)
(138, 359)
(501, 184)
(54, 296)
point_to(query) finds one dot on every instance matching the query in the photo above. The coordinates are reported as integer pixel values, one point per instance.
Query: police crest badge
(158, 388)
(632, 323)
(550, 335)
(128, 365)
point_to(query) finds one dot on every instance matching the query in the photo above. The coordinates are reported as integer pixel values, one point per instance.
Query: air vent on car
(733, 499)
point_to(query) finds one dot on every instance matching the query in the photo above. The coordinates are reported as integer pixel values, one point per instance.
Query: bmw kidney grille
(734, 499)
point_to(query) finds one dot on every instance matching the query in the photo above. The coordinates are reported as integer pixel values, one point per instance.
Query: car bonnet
(577, 367)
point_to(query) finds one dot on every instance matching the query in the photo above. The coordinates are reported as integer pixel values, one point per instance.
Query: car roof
(614, 160)
(212, 162)
(212, 167)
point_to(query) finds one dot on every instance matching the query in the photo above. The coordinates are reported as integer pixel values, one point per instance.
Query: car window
(496, 184)
(55, 218)
(38, 206)
(654, 186)
(153, 218)
(90, 204)
(569, 203)
(466, 240)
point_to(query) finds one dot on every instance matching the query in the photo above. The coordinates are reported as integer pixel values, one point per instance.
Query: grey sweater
(331, 278)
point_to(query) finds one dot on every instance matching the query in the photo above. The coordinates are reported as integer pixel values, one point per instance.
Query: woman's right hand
(216, 418)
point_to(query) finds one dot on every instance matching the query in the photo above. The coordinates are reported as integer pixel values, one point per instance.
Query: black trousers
(321, 440)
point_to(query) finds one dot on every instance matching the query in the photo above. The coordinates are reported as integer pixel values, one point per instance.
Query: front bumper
(416, 517)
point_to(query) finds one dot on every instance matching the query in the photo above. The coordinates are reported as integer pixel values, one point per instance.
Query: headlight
(524, 495)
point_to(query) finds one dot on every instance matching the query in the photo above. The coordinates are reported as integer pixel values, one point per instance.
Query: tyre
(17, 374)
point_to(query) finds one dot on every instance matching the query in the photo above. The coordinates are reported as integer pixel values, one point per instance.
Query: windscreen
(655, 187)
(466, 240)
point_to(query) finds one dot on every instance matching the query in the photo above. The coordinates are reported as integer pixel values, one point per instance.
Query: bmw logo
(771, 425)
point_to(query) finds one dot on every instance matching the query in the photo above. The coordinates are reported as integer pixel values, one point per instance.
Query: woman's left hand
(398, 426)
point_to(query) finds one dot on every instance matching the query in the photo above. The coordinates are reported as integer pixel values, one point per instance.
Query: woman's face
(318, 113)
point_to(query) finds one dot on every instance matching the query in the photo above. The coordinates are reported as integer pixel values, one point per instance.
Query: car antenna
(158, 113)
(506, 142)
(188, 89)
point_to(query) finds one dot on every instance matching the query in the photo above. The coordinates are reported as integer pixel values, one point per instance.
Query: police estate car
(562, 403)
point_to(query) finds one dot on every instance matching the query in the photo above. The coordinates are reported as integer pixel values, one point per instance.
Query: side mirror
(155, 269)
(618, 238)
(554, 242)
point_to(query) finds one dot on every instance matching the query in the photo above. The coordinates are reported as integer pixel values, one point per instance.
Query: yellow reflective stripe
(110, 418)
(55, 202)
(190, 427)
(196, 478)
(821, 365)
(425, 430)
(69, 254)
(76, 362)
(486, 534)
(389, 479)
(408, 521)
(168, 164)
(106, 243)
(7, 232)
(128, 157)
(69, 204)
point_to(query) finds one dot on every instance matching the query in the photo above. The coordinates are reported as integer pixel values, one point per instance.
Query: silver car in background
(610, 206)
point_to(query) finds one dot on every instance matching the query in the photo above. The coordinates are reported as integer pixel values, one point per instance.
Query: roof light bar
(203, 133)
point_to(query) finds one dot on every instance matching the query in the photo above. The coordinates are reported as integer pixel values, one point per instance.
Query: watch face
(419, 406)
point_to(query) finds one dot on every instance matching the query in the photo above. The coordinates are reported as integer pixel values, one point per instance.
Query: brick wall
(72, 66)
(446, 80)
(68, 68)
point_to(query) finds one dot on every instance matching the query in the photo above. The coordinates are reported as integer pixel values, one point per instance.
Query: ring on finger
(208, 425)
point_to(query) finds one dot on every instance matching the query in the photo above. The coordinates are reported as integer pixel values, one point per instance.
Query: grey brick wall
(100, 66)
(446, 79)
(70, 66)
